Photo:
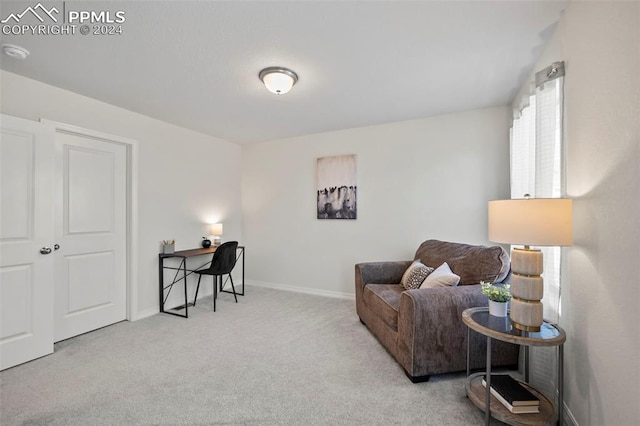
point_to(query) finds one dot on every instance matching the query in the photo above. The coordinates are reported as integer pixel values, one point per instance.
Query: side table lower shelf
(476, 393)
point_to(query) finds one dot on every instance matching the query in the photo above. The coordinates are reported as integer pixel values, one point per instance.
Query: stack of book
(514, 396)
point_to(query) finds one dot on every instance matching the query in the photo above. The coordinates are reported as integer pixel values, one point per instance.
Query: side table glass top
(501, 328)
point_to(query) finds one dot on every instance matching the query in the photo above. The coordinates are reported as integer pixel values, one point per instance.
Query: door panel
(26, 225)
(17, 185)
(97, 268)
(90, 175)
(17, 287)
(91, 227)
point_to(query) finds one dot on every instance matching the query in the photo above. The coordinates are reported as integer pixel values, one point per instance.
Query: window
(537, 169)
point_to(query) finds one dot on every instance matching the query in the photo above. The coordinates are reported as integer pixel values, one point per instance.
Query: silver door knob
(45, 250)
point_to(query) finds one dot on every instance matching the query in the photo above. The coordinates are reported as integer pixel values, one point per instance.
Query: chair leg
(215, 291)
(197, 288)
(233, 288)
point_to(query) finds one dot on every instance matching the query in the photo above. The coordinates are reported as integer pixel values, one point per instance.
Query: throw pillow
(441, 277)
(415, 275)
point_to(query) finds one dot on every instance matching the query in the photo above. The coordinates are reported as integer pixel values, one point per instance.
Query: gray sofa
(422, 328)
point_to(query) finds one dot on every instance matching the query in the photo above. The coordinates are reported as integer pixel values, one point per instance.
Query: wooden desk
(182, 273)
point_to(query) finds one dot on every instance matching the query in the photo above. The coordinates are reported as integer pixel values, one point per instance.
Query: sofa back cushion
(472, 263)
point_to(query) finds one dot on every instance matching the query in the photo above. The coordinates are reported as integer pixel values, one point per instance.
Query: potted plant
(498, 298)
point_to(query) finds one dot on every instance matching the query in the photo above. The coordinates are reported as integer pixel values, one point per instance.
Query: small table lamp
(216, 231)
(530, 222)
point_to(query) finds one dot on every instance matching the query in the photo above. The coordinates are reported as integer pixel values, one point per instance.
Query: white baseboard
(207, 293)
(145, 314)
(295, 289)
(174, 301)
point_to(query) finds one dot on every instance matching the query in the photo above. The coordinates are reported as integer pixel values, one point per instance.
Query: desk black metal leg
(243, 256)
(186, 302)
(487, 416)
(161, 283)
(197, 289)
(233, 288)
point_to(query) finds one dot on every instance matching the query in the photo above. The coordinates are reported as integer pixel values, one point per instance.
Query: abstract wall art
(336, 187)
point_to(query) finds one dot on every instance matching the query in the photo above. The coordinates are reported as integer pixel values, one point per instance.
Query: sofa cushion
(472, 263)
(441, 277)
(384, 300)
(415, 275)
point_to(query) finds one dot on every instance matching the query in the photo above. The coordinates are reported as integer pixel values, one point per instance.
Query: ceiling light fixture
(278, 80)
(14, 51)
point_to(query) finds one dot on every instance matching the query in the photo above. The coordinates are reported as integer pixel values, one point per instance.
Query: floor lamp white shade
(529, 222)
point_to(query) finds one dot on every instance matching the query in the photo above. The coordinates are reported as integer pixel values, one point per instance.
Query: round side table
(479, 320)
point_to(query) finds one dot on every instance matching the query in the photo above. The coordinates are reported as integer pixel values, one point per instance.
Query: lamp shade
(216, 229)
(531, 222)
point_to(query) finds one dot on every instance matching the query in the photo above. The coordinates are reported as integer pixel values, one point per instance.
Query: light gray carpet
(275, 358)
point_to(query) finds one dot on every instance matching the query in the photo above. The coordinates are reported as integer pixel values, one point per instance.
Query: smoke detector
(14, 51)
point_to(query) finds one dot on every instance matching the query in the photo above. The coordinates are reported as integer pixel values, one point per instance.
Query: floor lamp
(530, 222)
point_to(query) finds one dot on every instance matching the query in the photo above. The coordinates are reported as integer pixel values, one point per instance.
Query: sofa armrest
(376, 273)
(431, 334)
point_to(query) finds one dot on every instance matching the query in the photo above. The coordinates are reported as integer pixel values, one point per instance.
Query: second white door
(26, 238)
(91, 232)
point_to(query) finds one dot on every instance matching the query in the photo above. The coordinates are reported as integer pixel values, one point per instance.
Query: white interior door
(26, 226)
(91, 229)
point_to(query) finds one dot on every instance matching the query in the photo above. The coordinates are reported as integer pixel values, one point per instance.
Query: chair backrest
(224, 258)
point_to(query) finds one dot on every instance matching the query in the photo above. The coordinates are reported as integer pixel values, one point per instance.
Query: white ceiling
(360, 63)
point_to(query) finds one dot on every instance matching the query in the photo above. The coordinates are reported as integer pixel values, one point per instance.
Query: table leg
(161, 282)
(488, 381)
(468, 351)
(243, 256)
(186, 302)
(561, 384)
(526, 364)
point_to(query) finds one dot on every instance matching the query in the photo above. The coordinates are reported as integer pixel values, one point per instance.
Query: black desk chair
(224, 259)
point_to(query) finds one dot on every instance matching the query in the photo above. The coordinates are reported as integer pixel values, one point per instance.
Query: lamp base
(527, 289)
(525, 327)
(526, 314)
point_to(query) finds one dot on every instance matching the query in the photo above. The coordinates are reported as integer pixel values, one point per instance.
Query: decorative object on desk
(512, 394)
(206, 243)
(498, 298)
(530, 222)
(336, 193)
(216, 231)
(168, 246)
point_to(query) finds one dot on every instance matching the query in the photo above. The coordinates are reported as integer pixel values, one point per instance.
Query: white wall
(185, 178)
(600, 44)
(419, 179)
